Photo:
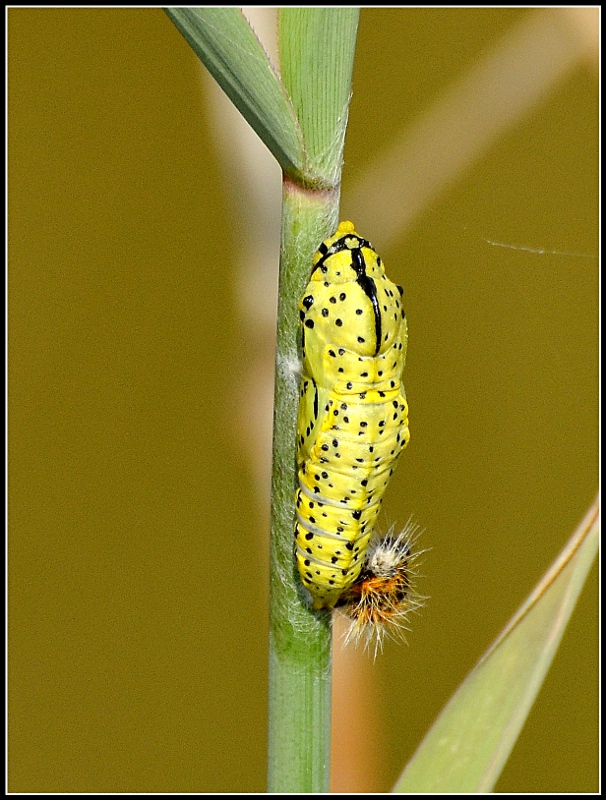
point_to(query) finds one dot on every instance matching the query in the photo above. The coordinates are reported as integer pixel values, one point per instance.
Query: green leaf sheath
(317, 48)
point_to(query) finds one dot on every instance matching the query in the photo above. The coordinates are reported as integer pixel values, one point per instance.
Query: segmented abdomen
(353, 416)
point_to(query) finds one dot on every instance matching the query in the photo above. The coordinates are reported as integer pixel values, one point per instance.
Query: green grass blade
(316, 56)
(228, 47)
(469, 743)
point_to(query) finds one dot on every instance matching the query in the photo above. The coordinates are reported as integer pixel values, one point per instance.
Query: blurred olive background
(138, 365)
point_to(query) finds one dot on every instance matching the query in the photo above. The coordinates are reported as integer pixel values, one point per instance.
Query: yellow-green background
(138, 545)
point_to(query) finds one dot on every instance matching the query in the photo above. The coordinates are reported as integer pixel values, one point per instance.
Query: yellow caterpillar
(353, 416)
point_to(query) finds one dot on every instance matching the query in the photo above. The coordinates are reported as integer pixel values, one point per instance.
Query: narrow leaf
(228, 47)
(316, 59)
(469, 743)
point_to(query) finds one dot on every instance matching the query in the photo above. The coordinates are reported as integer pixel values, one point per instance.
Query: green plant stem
(300, 640)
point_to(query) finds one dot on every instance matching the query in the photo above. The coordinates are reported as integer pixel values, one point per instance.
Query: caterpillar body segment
(353, 416)
(381, 601)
